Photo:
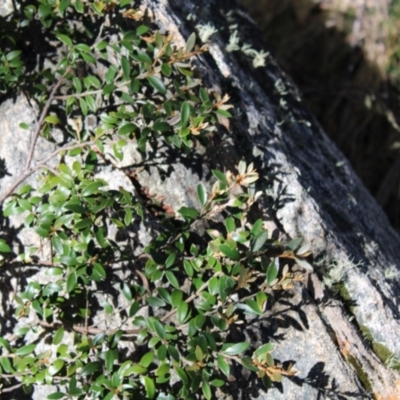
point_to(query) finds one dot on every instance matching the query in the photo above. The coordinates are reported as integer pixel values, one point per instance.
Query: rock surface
(312, 193)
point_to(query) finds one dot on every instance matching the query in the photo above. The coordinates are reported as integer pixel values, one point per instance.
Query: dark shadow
(355, 101)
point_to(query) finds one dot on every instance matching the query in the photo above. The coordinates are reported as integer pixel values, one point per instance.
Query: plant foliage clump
(185, 292)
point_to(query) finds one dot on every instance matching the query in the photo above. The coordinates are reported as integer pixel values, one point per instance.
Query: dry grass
(345, 57)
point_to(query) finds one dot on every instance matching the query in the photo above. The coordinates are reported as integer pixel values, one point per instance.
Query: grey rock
(312, 193)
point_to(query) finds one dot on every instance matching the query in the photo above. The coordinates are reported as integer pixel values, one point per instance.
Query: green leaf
(233, 254)
(173, 352)
(272, 273)
(142, 57)
(75, 207)
(204, 95)
(157, 84)
(91, 368)
(220, 176)
(256, 229)
(142, 29)
(83, 105)
(4, 343)
(182, 312)
(79, 6)
(126, 68)
(266, 348)
(134, 308)
(13, 54)
(166, 69)
(205, 387)
(56, 396)
(52, 119)
(213, 285)
(23, 125)
(147, 359)
(82, 224)
(217, 382)
(25, 350)
(172, 279)
(6, 364)
(126, 129)
(71, 282)
(161, 126)
(155, 302)
(58, 336)
(202, 194)
(235, 349)
(4, 247)
(190, 42)
(54, 271)
(294, 244)
(91, 188)
(126, 291)
(188, 212)
(83, 47)
(199, 353)
(170, 260)
(182, 375)
(100, 270)
(199, 321)
(165, 295)
(110, 357)
(45, 233)
(55, 367)
(224, 113)
(99, 233)
(77, 84)
(188, 267)
(230, 224)
(65, 39)
(259, 241)
(158, 327)
(148, 384)
(176, 297)
(253, 307)
(91, 102)
(185, 113)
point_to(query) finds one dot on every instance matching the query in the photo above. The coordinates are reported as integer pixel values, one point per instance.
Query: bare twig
(42, 117)
(11, 388)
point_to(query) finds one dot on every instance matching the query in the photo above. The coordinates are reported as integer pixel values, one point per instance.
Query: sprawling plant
(113, 320)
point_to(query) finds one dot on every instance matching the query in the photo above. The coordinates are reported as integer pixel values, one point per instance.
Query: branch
(42, 117)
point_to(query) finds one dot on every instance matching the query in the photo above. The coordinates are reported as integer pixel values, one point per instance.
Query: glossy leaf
(185, 113)
(157, 84)
(90, 368)
(149, 386)
(233, 254)
(55, 367)
(202, 194)
(235, 349)
(220, 176)
(188, 212)
(259, 241)
(182, 312)
(25, 350)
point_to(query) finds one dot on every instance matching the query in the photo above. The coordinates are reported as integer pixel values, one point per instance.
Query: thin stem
(42, 117)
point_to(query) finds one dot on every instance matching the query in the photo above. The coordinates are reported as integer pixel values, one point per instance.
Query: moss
(362, 375)
(366, 333)
(346, 298)
(383, 353)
